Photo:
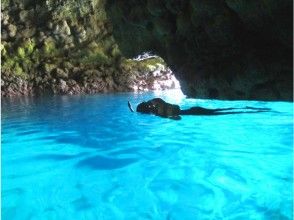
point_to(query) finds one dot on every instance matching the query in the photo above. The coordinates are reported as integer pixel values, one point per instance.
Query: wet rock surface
(92, 81)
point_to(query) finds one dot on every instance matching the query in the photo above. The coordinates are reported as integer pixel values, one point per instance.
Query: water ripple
(88, 157)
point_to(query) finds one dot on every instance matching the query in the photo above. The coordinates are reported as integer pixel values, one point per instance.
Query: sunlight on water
(88, 157)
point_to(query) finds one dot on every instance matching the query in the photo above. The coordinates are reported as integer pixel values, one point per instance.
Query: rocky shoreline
(159, 77)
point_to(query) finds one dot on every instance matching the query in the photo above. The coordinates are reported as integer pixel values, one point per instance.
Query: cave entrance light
(159, 77)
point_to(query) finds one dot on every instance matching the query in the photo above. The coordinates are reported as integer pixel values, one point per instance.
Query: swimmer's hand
(130, 106)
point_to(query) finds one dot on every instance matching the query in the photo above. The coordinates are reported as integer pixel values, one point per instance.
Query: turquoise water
(89, 158)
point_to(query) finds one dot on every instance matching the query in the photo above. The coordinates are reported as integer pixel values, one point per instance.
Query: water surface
(89, 157)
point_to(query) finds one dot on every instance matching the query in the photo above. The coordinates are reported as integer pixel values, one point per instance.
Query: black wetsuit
(206, 111)
(159, 107)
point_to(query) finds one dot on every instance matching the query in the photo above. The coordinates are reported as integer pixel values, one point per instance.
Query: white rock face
(159, 77)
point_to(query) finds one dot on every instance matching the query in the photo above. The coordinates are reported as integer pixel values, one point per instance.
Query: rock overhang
(217, 49)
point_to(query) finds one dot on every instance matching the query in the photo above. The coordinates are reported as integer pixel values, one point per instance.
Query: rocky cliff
(225, 49)
(67, 47)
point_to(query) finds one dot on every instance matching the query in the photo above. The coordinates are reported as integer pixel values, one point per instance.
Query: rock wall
(67, 47)
(225, 49)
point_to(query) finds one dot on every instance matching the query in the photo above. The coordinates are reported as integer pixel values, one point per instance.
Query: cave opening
(155, 74)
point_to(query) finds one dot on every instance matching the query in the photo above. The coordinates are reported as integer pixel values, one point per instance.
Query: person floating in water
(159, 107)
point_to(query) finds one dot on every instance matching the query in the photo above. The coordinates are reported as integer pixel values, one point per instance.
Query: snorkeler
(159, 107)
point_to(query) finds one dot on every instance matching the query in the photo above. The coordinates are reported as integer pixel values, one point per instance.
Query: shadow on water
(130, 150)
(81, 141)
(81, 203)
(92, 162)
(104, 163)
(58, 157)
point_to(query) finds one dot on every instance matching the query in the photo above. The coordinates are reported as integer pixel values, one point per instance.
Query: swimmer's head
(145, 107)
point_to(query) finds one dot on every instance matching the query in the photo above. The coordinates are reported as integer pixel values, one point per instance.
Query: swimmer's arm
(130, 106)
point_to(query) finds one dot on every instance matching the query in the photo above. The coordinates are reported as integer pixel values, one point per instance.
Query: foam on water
(88, 157)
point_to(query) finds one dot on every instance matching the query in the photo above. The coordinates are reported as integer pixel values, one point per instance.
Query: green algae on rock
(62, 47)
(217, 49)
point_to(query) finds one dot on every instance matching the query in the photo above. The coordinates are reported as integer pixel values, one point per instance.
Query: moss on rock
(70, 40)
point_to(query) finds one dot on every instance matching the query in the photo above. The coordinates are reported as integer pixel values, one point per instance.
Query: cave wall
(224, 49)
